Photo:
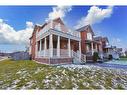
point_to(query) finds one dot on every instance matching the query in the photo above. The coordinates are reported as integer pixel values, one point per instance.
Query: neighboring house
(112, 50)
(54, 43)
(21, 55)
(90, 43)
(120, 51)
(4, 54)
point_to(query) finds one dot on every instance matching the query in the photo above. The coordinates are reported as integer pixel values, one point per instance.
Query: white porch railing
(64, 53)
(89, 53)
(78, 58)
(46, 28)
(68, 31)
(46, 53)
(74, 33)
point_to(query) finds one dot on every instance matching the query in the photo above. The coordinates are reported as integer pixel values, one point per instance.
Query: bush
(95, 56)
(110, 57)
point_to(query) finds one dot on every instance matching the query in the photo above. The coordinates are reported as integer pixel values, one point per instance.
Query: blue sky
(112, 23)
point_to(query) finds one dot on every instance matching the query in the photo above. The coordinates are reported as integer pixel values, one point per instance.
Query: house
(91, 43)
(103, 43)
(112, 50)
(54, 43)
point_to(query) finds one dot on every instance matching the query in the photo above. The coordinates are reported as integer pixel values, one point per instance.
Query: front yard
(123, 59)
(30, 75)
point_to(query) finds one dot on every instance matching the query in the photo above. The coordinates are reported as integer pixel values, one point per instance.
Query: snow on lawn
(38, 76)
(100, 77)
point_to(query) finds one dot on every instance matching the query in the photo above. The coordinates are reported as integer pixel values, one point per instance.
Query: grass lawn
(123, 59)
(30, 75)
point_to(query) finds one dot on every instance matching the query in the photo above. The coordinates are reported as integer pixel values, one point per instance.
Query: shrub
(95, 56)
(110, 57)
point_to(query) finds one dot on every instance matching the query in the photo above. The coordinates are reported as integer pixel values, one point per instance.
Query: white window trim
(89, 36)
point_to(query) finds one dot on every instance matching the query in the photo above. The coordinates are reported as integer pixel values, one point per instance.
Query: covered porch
(92, 46)
(55, 46)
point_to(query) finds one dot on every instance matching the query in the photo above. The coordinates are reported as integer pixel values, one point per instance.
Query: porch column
(80, 50)
(58, 46)
(45, 46)
(92, 48)
(51, 45)
(96, 48)
(40, 44)
(69, 48)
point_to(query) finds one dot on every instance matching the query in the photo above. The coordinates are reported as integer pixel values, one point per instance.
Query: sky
(17, 22)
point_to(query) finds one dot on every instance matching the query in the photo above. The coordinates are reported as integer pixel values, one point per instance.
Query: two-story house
(54, 43)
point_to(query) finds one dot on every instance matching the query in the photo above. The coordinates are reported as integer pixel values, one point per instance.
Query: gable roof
(85, 28)
(101, 38)
(98, 38)
(43, 25)
(105, 39)
(58, 20)
(35, 28)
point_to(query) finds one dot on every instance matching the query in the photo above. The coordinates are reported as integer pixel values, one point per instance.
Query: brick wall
(33, 42)
(55, 60)
(83, 38)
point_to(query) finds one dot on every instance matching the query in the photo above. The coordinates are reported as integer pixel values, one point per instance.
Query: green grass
(30, 75)
(123, 59)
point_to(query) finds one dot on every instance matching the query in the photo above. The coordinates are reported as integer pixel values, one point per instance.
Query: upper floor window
(89, 36)
(58, 27)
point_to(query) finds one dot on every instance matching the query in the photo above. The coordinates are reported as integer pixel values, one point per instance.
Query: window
(89, 36)
(58, 27)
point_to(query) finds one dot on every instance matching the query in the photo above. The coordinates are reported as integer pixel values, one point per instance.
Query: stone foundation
(55, 60)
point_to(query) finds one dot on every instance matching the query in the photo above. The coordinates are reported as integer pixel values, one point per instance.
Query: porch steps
(78, 59)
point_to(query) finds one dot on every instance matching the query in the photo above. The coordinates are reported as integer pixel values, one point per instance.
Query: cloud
(98, 33)
(118, 42)
(8, 35)
(95, 15)
(59, 11)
